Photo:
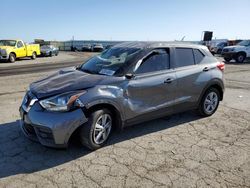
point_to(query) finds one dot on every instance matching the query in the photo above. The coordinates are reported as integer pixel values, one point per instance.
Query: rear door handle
(168, 80)
(206, 69)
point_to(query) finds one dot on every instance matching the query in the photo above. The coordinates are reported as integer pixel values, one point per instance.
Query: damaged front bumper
(51, 129)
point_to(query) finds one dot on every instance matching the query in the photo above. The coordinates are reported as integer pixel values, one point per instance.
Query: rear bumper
(50, 128)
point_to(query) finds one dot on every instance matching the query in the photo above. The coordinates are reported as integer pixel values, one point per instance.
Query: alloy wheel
(211, 102)
(102, 128)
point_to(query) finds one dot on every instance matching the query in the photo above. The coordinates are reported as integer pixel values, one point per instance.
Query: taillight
(221, 66)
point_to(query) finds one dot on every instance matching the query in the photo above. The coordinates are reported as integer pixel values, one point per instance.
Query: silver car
(127, 84)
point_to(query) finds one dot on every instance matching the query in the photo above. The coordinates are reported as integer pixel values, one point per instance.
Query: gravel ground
(183, 150)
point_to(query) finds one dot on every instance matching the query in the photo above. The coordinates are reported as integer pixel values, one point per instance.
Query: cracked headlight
(63, 102)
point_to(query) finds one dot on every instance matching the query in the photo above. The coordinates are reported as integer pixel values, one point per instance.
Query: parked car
(108, 46)
(10, 50)
(87, 47)
(49, 50)
(125, 85)
(239, 52)
(217, 49)
(97, 48)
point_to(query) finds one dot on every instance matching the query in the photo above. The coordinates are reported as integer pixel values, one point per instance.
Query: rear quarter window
(198, 56)
(184, 57)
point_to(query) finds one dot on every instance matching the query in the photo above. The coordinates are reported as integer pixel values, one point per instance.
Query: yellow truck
(10, 50)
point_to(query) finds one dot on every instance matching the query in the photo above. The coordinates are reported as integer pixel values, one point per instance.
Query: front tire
(240, 58)
(95, 133)
(12, 58)
(209, 102)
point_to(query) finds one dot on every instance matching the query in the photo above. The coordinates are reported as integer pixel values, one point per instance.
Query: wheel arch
(12, 53)
(110, 106)
(97, 106)
(217, 84)
(242, 52)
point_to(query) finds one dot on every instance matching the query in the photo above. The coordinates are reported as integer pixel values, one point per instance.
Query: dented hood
(64, 81)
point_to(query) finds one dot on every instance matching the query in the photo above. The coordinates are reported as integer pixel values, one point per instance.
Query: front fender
(110, 95)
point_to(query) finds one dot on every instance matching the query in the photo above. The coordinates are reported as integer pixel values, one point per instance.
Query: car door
(21, 49)
(192, 75)
(151, 92)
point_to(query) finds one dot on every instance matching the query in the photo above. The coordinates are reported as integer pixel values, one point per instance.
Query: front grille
(3, 52)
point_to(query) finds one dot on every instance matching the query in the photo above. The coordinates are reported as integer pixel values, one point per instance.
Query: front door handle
(206, 69)
(168, 80)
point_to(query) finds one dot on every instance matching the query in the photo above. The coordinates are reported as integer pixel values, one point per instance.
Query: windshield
(244, 43)
(109, 61)
(7, 43)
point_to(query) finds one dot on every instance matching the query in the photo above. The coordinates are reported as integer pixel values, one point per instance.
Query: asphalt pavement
(182, 150)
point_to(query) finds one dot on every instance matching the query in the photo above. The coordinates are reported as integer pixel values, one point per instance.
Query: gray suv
(127, 84)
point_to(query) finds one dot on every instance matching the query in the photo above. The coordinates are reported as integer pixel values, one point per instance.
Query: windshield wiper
(93, 72)
(88, 71)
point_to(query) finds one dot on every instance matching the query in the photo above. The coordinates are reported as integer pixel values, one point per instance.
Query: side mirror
(129, 76)
(77, 67)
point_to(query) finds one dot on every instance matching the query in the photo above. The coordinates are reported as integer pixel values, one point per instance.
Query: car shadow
(19, 155)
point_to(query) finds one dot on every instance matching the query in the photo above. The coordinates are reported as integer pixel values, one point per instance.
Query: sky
(146, 20)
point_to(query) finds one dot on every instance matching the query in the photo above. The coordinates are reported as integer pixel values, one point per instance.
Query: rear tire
(50, 54)
(33, 55)
(12, 58)
(95, 133)
(209, 102)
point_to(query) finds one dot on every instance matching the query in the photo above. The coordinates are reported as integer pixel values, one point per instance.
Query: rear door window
(184, 57)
